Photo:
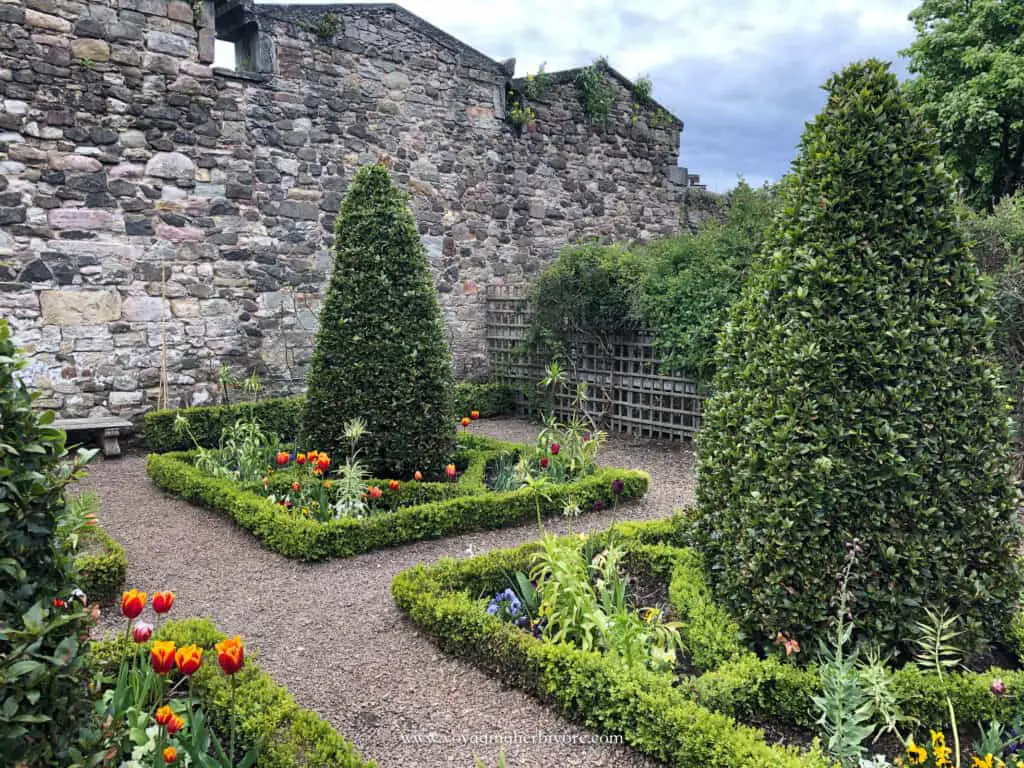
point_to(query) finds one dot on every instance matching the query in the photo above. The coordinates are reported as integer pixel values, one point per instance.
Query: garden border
(295, 737)
(306, 539)
(101, 575)
(440, 599)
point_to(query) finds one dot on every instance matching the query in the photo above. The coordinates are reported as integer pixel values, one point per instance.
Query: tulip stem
(231, 739)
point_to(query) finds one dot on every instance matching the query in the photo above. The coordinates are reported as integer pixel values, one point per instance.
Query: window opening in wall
(224, 54)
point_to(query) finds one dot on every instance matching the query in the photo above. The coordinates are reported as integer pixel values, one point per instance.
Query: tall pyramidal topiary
(380, 352)
(857, 396)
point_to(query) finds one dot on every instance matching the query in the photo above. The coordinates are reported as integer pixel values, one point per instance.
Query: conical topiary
(857, 396)
(380, 352)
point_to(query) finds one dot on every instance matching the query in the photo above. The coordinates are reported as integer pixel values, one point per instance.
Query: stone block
(86, 218)
(46, 21)
(171, 165)
(164, 42)
(78, 308)
(89, 48)
(145, 309)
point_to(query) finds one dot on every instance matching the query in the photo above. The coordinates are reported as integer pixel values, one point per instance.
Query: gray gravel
(330, 633)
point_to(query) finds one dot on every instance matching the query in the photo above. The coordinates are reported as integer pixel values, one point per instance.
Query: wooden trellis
(627, 393)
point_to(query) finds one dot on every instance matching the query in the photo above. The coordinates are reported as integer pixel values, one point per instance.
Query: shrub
(279, 415)
(693, 279)
(101, 568)
(380, 352)
(857, 396)
(42, 659)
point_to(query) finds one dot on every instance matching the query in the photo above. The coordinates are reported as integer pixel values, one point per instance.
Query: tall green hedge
(43, 631)
(857, 396)
(380, 352)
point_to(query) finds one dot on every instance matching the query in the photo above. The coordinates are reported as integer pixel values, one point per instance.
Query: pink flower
(142, 631)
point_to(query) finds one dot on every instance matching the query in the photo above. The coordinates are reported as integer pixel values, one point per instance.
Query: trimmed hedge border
(477, 510)
(101, 574)
(652, 716)
(295, 737)
(283, 416)
(736, 684)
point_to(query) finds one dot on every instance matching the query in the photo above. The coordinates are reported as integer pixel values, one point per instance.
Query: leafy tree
(380, 352)
(692, 280)
(969, 62)
(43, 630)
(857, 396)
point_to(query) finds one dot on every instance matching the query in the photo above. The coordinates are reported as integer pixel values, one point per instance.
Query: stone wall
(157, 214)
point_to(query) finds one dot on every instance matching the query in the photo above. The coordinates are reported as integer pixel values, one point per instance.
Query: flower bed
(292, 737)
(689, 719)
(462, 506)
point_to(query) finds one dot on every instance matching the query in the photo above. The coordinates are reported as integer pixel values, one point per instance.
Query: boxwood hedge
(477, 509)
(729, 680)
(101, 566)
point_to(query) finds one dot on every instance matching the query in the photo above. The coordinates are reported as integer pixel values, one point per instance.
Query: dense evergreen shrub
(858, 396)
(42, 642)
(380, 352)
(693, 279)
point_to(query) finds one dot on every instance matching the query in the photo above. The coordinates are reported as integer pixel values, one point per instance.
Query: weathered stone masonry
(158, 214)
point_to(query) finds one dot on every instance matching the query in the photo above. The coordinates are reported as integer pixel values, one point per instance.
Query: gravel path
(330, 633)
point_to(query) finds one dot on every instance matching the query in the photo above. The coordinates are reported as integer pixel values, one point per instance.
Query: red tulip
(230, 654)
(474, 415)
(161, 656)
(450, 471)
(174, 725)
(375, 492)
(142, 631)
(162, 601)
(58, 603)
(170, 755)
(393, 485)
(418, 475)
(163, 715)
(323, 461)
(543, 462)
(132, 603)
(296, 487)
(282, 458)
(188, 658)
(555, 448)
(465, 421)
(300, 459)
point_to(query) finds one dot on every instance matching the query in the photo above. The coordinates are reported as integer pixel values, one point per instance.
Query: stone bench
(104, 429)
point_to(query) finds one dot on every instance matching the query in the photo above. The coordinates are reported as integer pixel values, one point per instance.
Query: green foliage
(969, 65)
(476, 509)
(595, 92)
(292, 737)
(100, 566)
(583, 601)
(857, 396)
(642, 89)
(488, 399)
(280, 416)
(692, 280)
(519, 113)
(653, 715)
(537, 83)
(380, 351)
(42, 661)
(327, 26)
(588, 292)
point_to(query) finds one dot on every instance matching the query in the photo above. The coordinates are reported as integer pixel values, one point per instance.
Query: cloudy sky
(743, 75)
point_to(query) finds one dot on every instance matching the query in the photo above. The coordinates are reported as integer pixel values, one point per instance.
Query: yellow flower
(916, 754)
(989, 761)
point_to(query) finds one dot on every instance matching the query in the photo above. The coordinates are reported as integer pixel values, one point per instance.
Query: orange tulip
(189, 658)
(282, 458)
(161, 656)
(162, 601)
(375, 492)
(300, 459)
(465, 421)
(474, 415)
(163, 715)
(450, 471)
(132, 603)
(230, 654)
(296, 487)
(312, 456)
(170, 755)
(175, 724)
(393, 485)
(418, 475)
(323, 461)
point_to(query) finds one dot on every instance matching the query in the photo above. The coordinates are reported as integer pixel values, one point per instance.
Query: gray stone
(163, 42)
(170, 165)
(299, 209)
(78, 308)
(145, 309)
